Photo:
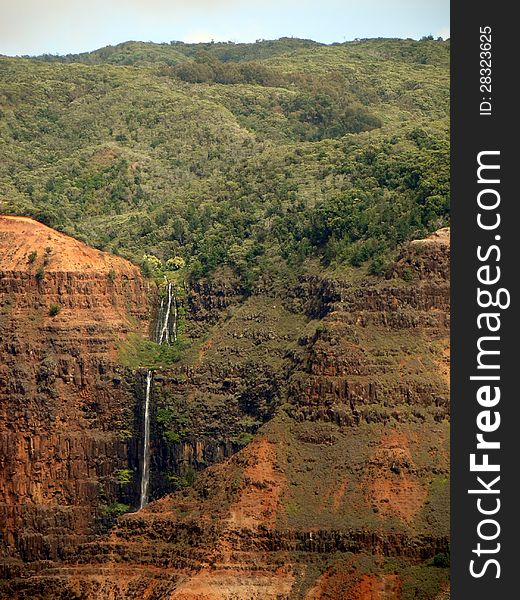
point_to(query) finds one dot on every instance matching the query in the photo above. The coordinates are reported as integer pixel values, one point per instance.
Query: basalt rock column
(64, 310)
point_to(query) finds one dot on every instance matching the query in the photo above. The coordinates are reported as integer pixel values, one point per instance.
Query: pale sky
(70, 26)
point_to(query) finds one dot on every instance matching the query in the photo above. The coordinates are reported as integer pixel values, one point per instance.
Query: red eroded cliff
(337, 388)
(64, 309)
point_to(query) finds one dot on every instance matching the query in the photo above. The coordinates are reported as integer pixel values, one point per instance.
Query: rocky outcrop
(206, 301)
(425, 259)
(64, 401)
(382, 352)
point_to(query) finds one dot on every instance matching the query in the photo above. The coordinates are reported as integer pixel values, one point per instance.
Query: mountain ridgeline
(261, 157)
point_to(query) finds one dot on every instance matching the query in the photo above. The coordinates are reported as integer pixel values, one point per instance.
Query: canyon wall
(65, 403)
(307, 436)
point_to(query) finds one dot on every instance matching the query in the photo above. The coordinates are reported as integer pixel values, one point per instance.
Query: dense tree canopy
(247, 155)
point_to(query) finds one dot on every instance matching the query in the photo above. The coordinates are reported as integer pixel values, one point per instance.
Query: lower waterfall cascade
(145, 476)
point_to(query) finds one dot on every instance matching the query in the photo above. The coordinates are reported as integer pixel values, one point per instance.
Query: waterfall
(145, 476)
(174, 324)
(165, 331)
(166, 328)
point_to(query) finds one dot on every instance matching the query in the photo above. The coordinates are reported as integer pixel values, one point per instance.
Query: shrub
(174, 437)
(116, 509)
(124, 476)
(176, 482)
(175, 263)
(243, 439)
(54, 309)
(151, 265)
(32, 257)
(378, 266)
(173, 422)
(47, 257)
(407, 274)
(442, 559)
(179, 482)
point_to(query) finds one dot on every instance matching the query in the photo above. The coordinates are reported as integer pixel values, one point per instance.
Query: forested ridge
(271, 157)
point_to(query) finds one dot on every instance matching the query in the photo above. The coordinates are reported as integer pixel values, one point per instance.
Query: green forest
(268, 158)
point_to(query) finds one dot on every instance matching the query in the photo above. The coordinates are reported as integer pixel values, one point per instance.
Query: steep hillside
(254, 156)
(342, 493)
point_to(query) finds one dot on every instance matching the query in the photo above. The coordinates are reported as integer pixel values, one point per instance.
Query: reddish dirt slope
(19, 236)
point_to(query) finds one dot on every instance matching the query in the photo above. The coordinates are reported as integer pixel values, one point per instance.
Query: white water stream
(145, 475)
(166, 331)
(167, 318)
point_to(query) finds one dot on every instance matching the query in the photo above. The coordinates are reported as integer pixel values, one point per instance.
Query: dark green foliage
(115, 509)
(442, 560)
(172, 418)
(378, 266)
(259, 157)
(32, 256)
(180, 482)
(321, 116)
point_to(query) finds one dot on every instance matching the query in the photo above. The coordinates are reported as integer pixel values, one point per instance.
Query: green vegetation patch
(137, 352)
(124, 476)
(262, 158)
(116, 509)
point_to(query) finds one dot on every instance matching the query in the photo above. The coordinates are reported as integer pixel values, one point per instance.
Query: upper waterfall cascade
(166, 328)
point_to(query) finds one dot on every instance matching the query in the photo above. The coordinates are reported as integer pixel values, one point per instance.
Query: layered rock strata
(343, 492)
(64, 310)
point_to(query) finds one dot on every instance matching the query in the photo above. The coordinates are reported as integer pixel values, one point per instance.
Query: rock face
(425, 259)
(342, 492)
(64, 309)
